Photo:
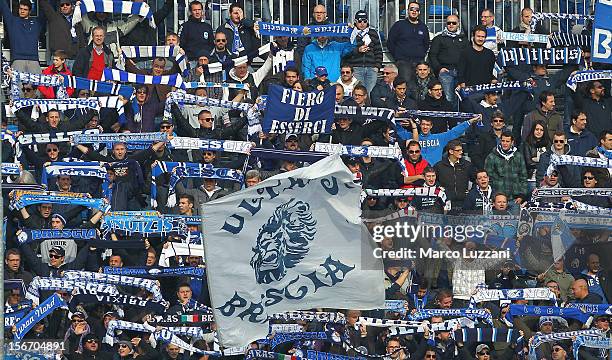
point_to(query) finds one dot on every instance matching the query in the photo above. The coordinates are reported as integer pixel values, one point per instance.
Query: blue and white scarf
(155, 272)
(125, 138)
(540, 56)
(358, 112)
(210, 84)
(19, 77)
(151, 222)
(113, 7)
(398, 306)
(559, 39)
(469, 313)
(59, 104)
(388, 152)
(11, 168)
(55, 137)
(90, 297)
(330, 30)
(12, 318)
(146, 284)
(85, 169)
(571, 192)
(533, 310)
(37, 314)
(439, 114)
(587, 75)
(310, 316)
(101, 87)
(541, 339)
(21, 200)
(237, 46)
(594, 342)
(174, 80)
(281, 338)
(318, 355)
(506, 85)
(27, 236)
(185, 143)
(157, 52)
(483, 295)
(181, 98)
(539, 16)
(486, 335)
(60, 284)
(583, 161)
(232, 62)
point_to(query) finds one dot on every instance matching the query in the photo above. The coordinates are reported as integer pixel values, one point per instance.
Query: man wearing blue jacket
(409, 41)
(432, 145)
(322, 52)
(23, 34)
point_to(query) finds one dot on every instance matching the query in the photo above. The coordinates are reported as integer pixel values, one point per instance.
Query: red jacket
(47, 91)
(415, 169)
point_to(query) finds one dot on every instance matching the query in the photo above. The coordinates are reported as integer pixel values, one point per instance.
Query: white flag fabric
(292, 242)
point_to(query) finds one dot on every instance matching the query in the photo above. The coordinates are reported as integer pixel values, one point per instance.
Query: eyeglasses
(220, 40)
(55, 256)
(27, 89)
(559, 141)
(345, 72)
(414, 151)
(451, 23)
(165, 127)
(557, 349)
(78, 321)
(484, 353)
(141, 92)
(498, 120)
(65, 4)
(362, 21)
(588, 177)
(387, 73)
(209, 119)
(52, 150)
(89, 341)
(123, 346)
(414, 9)
(430, 356)
(458, 150)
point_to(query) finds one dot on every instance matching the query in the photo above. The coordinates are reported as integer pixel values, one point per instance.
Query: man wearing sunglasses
(64, 36)
(445, 55)
(368, 55)
(92, 349)
(409, 41)
(57, 256)
(597, 107)
(567, 175)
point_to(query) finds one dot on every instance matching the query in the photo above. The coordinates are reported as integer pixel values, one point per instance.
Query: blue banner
(602, 32)
(336, 30)
(33, 317)
(294, 112)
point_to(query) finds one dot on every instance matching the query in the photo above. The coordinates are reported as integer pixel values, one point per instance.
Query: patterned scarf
(507, 155)
(237, 46)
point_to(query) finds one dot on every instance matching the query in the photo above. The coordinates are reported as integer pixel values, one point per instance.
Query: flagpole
(2, 229)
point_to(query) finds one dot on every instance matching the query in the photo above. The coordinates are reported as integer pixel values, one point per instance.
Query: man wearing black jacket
(455, 174)
(476, 66)
(196, 35)
(143, 34)
(56, 265)
(445, 55)
(367, 57)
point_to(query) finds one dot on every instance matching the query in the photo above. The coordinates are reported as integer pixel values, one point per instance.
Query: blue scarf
(505, 85)
(469, 313)
(604, 152)
(486, 335)
(155, 271)
(81, 169)
(36, 315)
(174, 80)
(96, 86)
(146, 222)
(139, 52)
(330, 30)
(28, 236)
(11, 169)
(21, 200)
(587, 75)
(533, 310)
(237, 46)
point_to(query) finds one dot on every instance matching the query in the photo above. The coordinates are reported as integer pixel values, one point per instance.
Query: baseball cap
(321, 71)
(545, 320)
(291, 136)
(65, 2)
(57, 250)
(166, 121)
(78, 314)
(111, 313)
(482, 347)
(361, 15)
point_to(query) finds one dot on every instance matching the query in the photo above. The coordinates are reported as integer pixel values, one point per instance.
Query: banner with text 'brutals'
(292, 242)
(294, 112)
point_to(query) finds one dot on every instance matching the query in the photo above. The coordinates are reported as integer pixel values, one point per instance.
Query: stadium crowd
(487, 164)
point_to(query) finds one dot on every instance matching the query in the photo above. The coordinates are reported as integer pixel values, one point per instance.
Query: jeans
(29, 66)
(367, 76)
(251, 5)
(370, 7)
(406, 69)
(448, 79)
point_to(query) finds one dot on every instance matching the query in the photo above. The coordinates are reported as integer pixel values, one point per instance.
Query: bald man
(581, 294)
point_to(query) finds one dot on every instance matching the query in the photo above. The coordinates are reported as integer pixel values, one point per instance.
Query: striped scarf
(230, 63)
(557, 16)
(56, 284)
(583, 161)
(125, 138)
(22, 199)
(541, 339)
(58, 104)
(558, 39)
(185, 143)
(486, 335)
(11, 168)
(113, 7)
(387, 152)
(174, 80)
(98, 86)
(587, 75)
(210, 84)
(596, 342)
(19, 77)
(157, 52)
(469, 313)
(505, 85)
(521, 56)
(150, 285)
(58, 168)
(181, 98)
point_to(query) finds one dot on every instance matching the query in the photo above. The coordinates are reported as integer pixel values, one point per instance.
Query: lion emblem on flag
(283, 241)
